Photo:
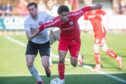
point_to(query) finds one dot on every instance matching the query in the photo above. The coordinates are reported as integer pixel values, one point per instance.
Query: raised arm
(88, 8)
(81, 12)
(56, 22)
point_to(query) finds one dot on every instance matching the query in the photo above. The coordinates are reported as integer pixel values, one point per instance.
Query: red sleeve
(41, 27)
(87, 8)
(56, 22)
(85, 16)
(80, 12)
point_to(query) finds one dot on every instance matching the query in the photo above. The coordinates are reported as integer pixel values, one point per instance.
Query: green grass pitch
(13, 68)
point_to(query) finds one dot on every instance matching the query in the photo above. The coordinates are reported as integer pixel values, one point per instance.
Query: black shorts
(33, 48)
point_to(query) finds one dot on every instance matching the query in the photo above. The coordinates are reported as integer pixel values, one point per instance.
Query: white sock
(79, 56)
(35, 73)
(98, 65)
(79, 59)
(118, 58)
(50, 59)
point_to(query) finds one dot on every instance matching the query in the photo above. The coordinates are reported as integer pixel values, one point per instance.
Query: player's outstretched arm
(81, 11)
(88, 8)
(41, 27)
(53, 23)
(56, 22)
(98, 6)
(36, 31)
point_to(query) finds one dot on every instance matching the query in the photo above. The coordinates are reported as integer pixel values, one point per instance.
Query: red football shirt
(95, 18)
(69, 30)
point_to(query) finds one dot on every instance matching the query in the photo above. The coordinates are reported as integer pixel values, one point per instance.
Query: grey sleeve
(27, 26)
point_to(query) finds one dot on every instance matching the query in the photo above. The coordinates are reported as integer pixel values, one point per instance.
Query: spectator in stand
(8, 9)
(74, 4)
(41, 6)
(21, 8)
(67, 3)
(1, 10)
(121, 6)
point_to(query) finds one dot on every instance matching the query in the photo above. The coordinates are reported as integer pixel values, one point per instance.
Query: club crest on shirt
(71, 23)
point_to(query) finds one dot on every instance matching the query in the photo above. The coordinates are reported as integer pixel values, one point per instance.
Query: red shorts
(72, 45)
(100, 37)
(100, 41)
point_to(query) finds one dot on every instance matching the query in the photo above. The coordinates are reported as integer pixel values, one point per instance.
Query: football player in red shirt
(70, 34)
(95, 17)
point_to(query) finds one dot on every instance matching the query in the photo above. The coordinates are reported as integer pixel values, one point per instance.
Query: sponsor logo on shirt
(71, 23)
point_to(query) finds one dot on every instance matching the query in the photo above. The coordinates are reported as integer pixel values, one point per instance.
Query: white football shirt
(31, 24)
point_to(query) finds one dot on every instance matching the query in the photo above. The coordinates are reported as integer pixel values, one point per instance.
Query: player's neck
(35, 17)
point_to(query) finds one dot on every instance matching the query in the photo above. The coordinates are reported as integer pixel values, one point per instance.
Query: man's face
(50, 4)
(32, 10)
(64, 16)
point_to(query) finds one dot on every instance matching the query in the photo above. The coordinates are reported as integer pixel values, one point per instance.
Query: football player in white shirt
(37, 43)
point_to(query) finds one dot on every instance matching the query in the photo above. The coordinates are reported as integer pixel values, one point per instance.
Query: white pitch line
(13, 75)
(85, 66)
(114, 77)
(15, 41)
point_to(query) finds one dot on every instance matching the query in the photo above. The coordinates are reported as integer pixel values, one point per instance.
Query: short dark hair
(62, 8)
(32, 3)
